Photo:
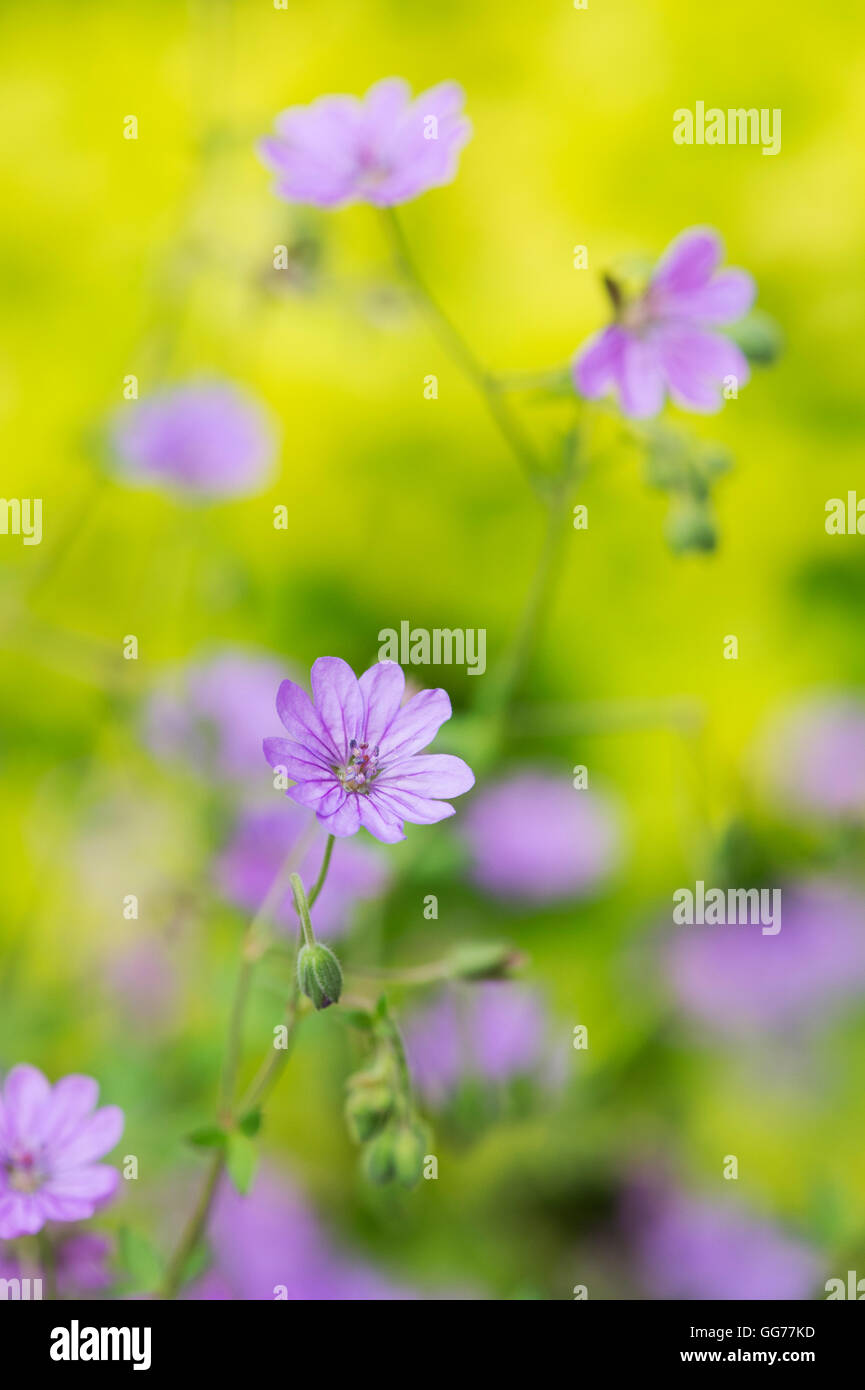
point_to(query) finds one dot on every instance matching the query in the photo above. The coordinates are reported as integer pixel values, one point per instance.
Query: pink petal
(72, 1099)
(416, 725)
(299, 761)
(345, 820)
(641, 383)
(302, 722)
(434, 774)
(399, 803)
(20, 1215)
(93, 1138)
(597, 365)
(313, 792)
(726, 297)
(338, 701)
(382, 688)
(688, 261)
(26, 1095)
(91, 1183)
(382, 826)
(696, 364)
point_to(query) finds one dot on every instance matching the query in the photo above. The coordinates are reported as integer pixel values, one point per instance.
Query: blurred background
(559, 1166)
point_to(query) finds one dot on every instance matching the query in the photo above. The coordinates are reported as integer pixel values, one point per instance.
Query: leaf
(241, 1161)
(207, 1137)
(139, 1260)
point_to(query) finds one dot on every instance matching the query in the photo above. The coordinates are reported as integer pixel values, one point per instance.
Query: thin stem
(322, 873)
(465, 357)
(302, 907)
(271, 1068)
(195, 1228)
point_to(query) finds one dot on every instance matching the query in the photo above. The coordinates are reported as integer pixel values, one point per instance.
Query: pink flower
(662, 342)
(384, 149)
(50, 1137)
(353, 753)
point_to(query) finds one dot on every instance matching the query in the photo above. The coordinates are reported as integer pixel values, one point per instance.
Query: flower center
(23, 1173)
(361, 769)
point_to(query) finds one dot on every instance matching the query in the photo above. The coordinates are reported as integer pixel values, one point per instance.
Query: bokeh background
(600, 1167)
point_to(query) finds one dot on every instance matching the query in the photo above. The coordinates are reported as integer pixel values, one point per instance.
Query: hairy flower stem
(453, 340)
(255, 940)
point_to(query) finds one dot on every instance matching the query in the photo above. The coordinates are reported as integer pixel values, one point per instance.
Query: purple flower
(814, 757)
(689, 1248)
(269, 1245)
(384, 150)
(736, 980)
(261, 840)
(353, 753)
(662, 342)
(534, 837)
(50, 1138)
(82, 1264)
(207, 439)
(210, 714)
(493, 1031)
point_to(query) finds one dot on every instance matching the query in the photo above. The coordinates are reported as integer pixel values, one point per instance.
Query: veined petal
(382, 688)
(26, 1096)
(302, 722)
(300, 763)
(345, 820)
(416, 725)
(313, 792)
(400, 804)
(338, 701)
(430, 774)
(73, 1098)
(382, 826)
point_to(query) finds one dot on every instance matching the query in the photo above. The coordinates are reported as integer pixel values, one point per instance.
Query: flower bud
(379, 1157)
(408, 1154)
(366, 1110)
(318, 975)
(690, 527)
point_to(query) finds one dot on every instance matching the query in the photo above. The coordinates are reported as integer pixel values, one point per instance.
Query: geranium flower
(662, 341)
(50, 1138)
(384, 149)
(353, 753)
(205, 439)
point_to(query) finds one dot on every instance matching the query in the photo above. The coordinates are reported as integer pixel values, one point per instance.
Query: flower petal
(382, 688)
(26, 1095)
(72, 1099)
(641, 383)
(434, 774)
(726, 297)
(397, 803)
(21, 1214)
(382, 826)
(93, 1138)
(338, 701)
(597, 365)
(688, 261)
(302, 722)
(313, 792)
(91, 1183)
(300, 762)
(696, 364)
(416, 725)
(345, 820)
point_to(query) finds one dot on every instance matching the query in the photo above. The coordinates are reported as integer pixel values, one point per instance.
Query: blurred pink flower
(50, 1138)
(813, 756)
(384, 149)
(533, 837)
(663, 341)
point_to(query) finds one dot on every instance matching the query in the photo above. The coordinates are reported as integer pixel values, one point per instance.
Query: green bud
(366, 1110)
(408, 1154)
(759, 337)
(379, 1157)
(479, 961)
(690, 527)
(318, 975)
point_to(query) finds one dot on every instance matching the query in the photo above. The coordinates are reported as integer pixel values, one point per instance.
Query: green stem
(322, 873)
(302, 907)
(194, 1229)
(502, 416)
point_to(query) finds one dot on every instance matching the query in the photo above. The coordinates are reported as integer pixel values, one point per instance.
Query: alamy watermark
(733, 907)
(735, 126)
(441, 646)
(22, 516)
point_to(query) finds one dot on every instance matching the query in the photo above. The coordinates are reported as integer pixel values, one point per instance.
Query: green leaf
(208, 1137)
(241, 1161)
(141, 1262)
(250, 1123)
